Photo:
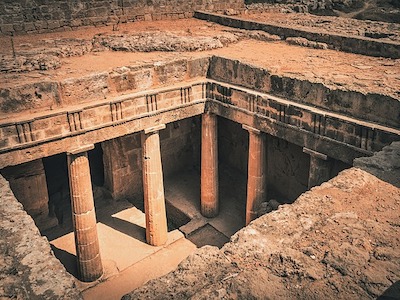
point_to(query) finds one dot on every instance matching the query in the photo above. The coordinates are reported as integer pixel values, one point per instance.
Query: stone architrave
(209, 166)
(153, 187)
(320, 168)
(84, 216)
(256, 177)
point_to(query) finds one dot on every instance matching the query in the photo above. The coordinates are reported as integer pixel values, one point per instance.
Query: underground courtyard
(214, 151)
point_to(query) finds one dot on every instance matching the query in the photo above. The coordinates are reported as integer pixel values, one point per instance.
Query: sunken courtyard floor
(128, 260)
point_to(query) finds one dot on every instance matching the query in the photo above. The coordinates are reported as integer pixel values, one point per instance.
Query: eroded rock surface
(160, 41)
(384, 164)
(28, 268)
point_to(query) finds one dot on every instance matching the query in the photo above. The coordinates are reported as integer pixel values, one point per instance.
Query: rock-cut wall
(51, 15)
(28, 268)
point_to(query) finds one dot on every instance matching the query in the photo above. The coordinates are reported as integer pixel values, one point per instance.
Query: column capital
(251, 129)
(154, 128)
(315, 153)
(80, 149)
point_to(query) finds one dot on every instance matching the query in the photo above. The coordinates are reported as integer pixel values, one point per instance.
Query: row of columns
(256, 187)
(89, 263)
(319, 171)
(84, 217)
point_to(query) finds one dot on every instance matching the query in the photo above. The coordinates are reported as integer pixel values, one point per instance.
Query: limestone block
(7, 28)
(18, 27)
(236, 72)
(84, 89)
(53, 24)
(198, 67)
(28, 96)
(29, 26)
(171, 72)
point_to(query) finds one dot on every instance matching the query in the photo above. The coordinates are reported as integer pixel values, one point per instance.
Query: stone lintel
(154, 128)
(81, 149)
(315, 153)
(251, 129)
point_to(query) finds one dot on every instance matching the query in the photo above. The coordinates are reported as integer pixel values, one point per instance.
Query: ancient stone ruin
(199, 149)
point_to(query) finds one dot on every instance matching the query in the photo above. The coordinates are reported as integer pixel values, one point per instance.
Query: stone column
(209, 166)
(83, 216)
(320, 168)
(28, 183)
(153, 187)
(256, 181)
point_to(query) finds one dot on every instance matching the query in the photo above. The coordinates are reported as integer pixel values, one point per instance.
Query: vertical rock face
(28, 182)
(44, 16)
(384, 164)
(209, 166)
(153, 186)
(28, 269)
(84, 218)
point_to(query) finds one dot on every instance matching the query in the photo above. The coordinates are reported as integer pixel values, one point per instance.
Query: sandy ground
(334, 68)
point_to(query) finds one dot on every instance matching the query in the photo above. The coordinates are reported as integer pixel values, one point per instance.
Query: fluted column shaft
(209, 166)
(256, 181)
(153, 186)
(83, 216)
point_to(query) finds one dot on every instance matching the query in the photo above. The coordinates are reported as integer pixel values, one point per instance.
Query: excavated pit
(82, 92)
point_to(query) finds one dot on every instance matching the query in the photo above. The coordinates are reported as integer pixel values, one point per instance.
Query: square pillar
(84, 216)
(320, 168)
(209, 166)
(28, 183)
(153, 187)
(256, 176)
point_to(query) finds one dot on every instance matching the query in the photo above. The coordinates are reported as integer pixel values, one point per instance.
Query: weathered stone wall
(233, 145)
(123, 157)
(305, 126)
(123, 167)
(287, 170)
(98, 86)
(369, 107)
(296, 5)
(50, 15)
(28, 268)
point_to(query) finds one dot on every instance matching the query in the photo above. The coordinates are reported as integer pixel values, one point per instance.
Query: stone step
(193, 225)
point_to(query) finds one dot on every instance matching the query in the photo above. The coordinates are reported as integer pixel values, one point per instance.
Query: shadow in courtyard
(67, 259)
